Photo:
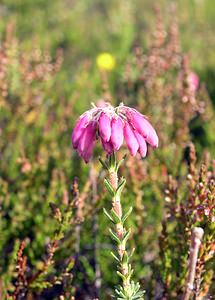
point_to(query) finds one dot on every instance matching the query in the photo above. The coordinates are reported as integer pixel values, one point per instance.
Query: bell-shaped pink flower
(142, 144)
(139, 122)
(104, 127)
(88, 152)
(152, 137)
(117, 133)
(86, 142)
(142, 125)
(78, 130)
(130, 139)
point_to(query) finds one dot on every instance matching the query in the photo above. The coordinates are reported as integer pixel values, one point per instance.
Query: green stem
(128, 290)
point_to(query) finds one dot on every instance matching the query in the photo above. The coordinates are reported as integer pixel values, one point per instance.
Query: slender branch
(117, 207)
(128, 290)
(52, 247)
(196, 238)
(21, 282)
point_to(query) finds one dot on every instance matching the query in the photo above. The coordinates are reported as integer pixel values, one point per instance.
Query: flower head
(113, 125)
(105, 61)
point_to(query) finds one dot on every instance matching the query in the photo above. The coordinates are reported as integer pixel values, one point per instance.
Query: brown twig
(49, 260)
(21, 282)
(196, 238)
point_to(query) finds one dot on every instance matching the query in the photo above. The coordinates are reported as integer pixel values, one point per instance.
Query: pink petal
(108, 147)
(139, 122)
(104, 127)
(143, 127)
(152, 138)
(88, 152)
(117, 133)
(142, 144)
(78, 130)
(130, 139)
(87, 141)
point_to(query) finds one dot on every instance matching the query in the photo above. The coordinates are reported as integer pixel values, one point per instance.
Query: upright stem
(116, 205)
(196, 238)
(129, 290)
(119, 228)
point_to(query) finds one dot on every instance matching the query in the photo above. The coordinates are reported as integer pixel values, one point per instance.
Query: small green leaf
(130, 273)
(138, 296)
(114, 256)
(115, 217)
(126, 215)
(120, 293)
(126, 236)
(103, 163)
(108, 215)
(120, 186)
(120, 163)
(113, 235)
(121, 275)
(132, 252)
(112, 161)
(125, 258)
(109, 187)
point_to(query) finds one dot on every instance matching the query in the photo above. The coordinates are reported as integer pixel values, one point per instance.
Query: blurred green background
(40, 101)
(86, 28)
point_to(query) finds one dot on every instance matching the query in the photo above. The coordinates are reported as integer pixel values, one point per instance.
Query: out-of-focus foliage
(53, 235)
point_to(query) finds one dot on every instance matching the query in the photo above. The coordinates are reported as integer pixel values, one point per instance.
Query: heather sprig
(189, 211)
(112, 126)
(120, 234)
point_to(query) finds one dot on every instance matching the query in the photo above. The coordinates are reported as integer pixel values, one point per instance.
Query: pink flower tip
(194, 81)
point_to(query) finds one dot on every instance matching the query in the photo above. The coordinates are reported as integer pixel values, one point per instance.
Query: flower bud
(130, 139)
(142, 144)
(117, 133)
(78, 130)
(104, 127)
(86, 142)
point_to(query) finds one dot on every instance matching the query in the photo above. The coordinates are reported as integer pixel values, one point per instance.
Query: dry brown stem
(196, 238)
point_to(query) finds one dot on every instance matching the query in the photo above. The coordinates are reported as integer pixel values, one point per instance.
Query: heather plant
(54, 239)
(188, 207)
(113, 125)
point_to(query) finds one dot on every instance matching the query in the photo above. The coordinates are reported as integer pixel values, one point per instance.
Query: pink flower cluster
(112, 126)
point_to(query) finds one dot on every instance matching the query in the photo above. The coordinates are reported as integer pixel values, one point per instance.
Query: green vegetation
(54, 238)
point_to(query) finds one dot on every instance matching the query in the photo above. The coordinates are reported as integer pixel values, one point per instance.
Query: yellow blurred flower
(105, 61)
(31, 117)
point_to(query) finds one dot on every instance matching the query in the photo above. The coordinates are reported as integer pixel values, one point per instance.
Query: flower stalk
(196, 239)
(128, 290)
